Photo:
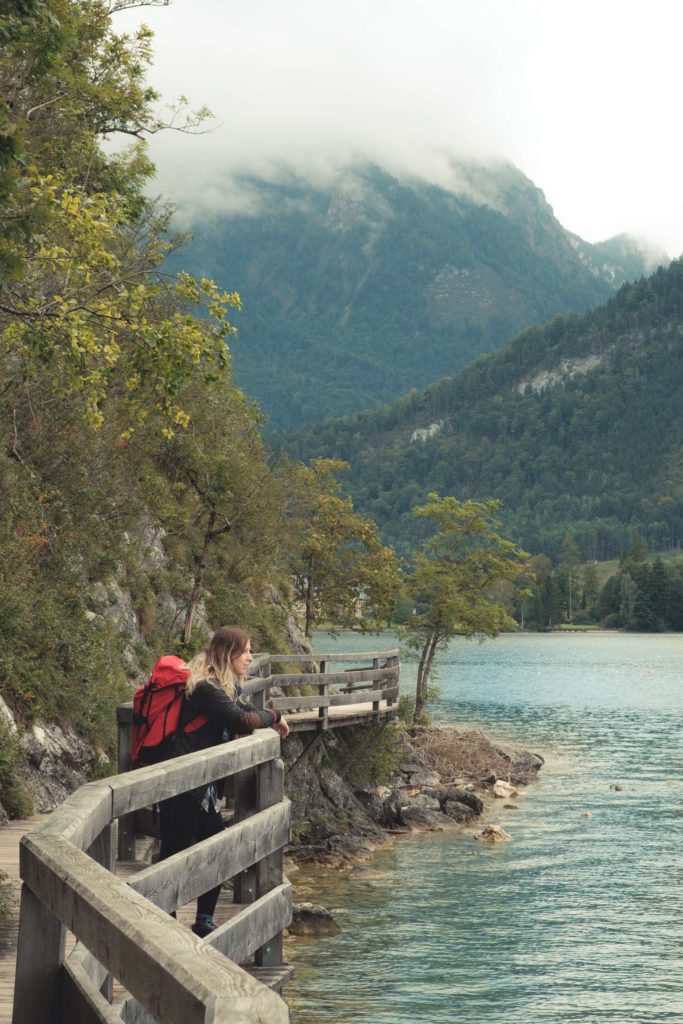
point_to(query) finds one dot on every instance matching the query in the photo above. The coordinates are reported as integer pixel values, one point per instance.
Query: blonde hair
(215, 661)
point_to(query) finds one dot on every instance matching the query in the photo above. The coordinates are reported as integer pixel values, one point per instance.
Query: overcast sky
(583, 96)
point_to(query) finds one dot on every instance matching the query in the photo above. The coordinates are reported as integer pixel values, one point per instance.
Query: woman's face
(241, 662)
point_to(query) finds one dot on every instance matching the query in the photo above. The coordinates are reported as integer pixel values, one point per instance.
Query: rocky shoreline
(442, 777)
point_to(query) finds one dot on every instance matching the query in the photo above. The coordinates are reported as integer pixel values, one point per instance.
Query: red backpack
(156, 709)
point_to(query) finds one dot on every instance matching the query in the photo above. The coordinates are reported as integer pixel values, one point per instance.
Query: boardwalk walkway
(9, 864)
(342, 700)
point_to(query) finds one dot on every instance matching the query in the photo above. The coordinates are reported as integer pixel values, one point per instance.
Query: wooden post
(40, 955)
(124, 717)
(323, 715)
(244, 884)
(270, 790)
(103, 850)
(377, 685)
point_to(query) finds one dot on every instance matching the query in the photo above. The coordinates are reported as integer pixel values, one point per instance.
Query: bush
(379, 756)
(13, 796)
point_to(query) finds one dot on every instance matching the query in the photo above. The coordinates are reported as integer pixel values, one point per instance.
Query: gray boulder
(311, 919)
(462, 813)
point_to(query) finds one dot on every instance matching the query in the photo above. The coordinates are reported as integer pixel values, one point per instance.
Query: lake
(579, 916)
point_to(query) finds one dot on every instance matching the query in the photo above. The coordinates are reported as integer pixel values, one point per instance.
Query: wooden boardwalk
(10, 835)
(9, 864)
(343, 699)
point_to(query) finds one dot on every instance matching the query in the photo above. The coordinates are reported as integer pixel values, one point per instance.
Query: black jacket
(227, 719)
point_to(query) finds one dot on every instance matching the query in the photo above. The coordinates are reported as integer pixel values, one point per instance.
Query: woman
(211, 690)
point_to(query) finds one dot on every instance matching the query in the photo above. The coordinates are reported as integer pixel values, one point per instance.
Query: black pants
(183, 823)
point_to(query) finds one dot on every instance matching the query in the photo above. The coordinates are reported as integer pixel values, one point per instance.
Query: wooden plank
(357, 687)
(336, 656)
(367, 675)
(269, 873)
(82, 816)
(186, 875)
(159, 961)
(124, 718)
(254, 925)
(104, 850)
(146, 786)
(40, 954)
(287, 703)
(246, 805)
(341, 699)
(82, 959)
(274, 977)
(82, 1002)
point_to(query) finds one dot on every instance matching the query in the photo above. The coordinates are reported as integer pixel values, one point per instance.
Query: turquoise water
(576, 918)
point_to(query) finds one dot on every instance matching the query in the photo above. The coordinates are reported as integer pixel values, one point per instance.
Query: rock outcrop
(336, 821)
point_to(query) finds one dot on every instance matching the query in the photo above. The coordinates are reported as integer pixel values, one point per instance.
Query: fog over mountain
(582, 97)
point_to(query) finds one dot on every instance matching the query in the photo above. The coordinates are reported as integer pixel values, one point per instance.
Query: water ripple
(577, 919)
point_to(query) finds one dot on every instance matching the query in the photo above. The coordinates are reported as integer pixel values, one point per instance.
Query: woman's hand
(282, 728)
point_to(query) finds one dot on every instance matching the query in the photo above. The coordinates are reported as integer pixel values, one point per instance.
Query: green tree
(84, 311)
(569, 564)
(591, 588)
(341, 570)
(227, 507)
(452, 578)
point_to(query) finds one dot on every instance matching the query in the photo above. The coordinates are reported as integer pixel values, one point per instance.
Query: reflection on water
(578, 918)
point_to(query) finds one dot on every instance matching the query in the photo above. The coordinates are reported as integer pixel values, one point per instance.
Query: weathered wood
(81, 1000)
(83, 815)
(335, 656)
(334, 678)
(273, 977)
(103, 850)
(186, 875)
(371, 696)
(158, 782)
(158, 960)
(359, 687)
(270, 792)
(254, 925)
(287, 703)
(40, 953)
(124, 719)
(86, 963)
(246, 805)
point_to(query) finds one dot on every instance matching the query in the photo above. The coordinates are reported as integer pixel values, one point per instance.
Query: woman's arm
(209, 699)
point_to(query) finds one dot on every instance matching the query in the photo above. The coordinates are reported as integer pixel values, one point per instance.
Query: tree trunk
(424, 671)
(198, 581)
(308, 630)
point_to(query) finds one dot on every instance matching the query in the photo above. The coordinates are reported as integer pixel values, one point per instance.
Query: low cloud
(583, 98)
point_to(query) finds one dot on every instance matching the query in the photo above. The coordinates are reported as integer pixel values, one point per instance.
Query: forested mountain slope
(576, 426)
(355, 292)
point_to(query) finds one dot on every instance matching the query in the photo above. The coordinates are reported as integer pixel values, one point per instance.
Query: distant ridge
(355, 292)
(576, 426)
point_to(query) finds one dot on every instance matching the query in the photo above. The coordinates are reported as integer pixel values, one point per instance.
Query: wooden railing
(123, 929)
(366, 693)
(370, 691)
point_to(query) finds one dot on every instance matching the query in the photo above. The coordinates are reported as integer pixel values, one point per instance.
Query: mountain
(577, 427)
(357, 291)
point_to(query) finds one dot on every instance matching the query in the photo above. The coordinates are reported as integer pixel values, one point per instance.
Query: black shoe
(204, 926)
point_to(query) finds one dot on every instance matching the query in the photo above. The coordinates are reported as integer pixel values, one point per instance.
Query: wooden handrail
(377, 685)
(124, 929)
